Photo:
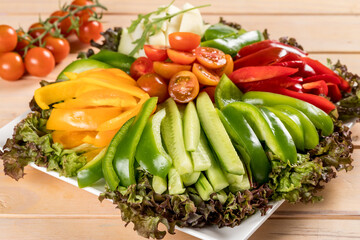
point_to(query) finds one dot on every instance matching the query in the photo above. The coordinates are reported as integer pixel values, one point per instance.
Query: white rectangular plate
(243, 231)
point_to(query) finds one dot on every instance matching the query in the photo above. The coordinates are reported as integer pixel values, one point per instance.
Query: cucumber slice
(293, 125)
(217, 135)
(240, 184)
(203, 187)
(150, 153)
(159, 184)
(226, 92)
(172, 133)
(175, 183)
(191, 127)
(221, 196)
(190, 178)
(201, 158)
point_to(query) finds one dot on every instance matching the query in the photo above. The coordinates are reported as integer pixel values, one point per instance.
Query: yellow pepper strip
(71, 75)
(71, 139)
(80, 119)
(104, 138)
(108, 76)
(98, 98)
(69, 89)
(118, 121)
(120, 73)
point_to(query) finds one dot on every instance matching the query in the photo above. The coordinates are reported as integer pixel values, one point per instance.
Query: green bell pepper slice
(115, 59)
(311, 136)
(233, 43)
(247, 143)
(125, 153)
(150, 153)
(92, 171)
(226, 92)
(110, 175)
(270, 129)
(218, 30)
(318, 117)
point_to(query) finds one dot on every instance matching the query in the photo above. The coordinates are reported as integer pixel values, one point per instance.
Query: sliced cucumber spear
(172, 133)
(217, 135)
(203, 187)
(159, 184)
(239, 183)
(202, 156)
(190, 178)
(191, 127)
(175, 182)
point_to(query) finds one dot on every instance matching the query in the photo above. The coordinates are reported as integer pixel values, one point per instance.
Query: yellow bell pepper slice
(98, 98)
(80, 119)
(108, 76)
(71, 139)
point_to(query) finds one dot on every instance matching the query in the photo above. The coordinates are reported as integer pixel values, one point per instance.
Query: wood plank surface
(41, 207)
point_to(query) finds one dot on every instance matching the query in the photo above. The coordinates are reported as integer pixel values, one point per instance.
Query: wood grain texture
(40, 206)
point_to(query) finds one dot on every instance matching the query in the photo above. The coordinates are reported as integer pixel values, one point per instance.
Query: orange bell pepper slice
(80, 119)
(71, 139)
(98, 98)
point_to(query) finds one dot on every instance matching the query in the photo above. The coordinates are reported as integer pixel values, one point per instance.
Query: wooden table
(41, 207)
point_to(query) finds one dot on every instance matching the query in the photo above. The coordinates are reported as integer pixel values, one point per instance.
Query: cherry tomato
(211, 92)
(23, 41)
(228, 68)
(154, 85)
(90, 31)
(11, 66)
(39, 61)
(8, 38)
(59, 47)
(184, 87)
(205, 76)
(210, 57)
(141, 66)
(167, 70)
(65, 24)
(33, 32)
(85, 14)
(156, 53)
(181, 57)
(184, 41)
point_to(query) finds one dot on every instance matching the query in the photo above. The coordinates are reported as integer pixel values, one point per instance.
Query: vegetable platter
(272, 134)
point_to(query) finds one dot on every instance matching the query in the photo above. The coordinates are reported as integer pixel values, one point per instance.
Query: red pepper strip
(326, 77)
(334, 92)
(250, 74)
(288, 57)
(315, 100)
(322, 69)
(261, 58)
(304, 69)
(283, 82)
(297, 88)
(317, 88)
(255, 47)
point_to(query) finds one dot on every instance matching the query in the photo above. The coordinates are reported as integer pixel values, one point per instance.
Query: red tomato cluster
(181, 70)
(43, 52)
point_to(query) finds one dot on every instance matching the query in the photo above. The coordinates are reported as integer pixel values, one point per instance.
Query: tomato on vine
(36, 29)
(22, 42)
(39, 61)
(8, 38)
(90, 31)
(65, 24)
(11, 66)
(59, 47)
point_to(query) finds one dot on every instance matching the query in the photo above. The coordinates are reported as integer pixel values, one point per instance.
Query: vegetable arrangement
(45, 44)
(212, 123)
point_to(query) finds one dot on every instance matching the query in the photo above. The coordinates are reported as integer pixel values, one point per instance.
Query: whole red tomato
(11, 66)
(59, 47)
(90, 31)
(39, 62)
(65, 24)
(8, 38)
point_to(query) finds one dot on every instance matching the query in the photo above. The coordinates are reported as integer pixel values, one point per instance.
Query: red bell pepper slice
(326, 77)
(315, 100)
(297, 88)
(250, 74)
(255, 47)
(289, 57)
(261, 58)
(317, 87)
(322, 69)
(283, 82)
(304, 69)
(334, 92)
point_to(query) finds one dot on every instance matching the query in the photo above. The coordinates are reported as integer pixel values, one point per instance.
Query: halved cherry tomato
(8, 38)
(11, 66)
(59, 47)
(205, 76)
(228, 68)
(154, 85)
(167, 70)
(181, 57)
(184, 87)
(184, 41)
(156, 53)
(210, 57)
(141, 66)
(39, 61)
(211, 92)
